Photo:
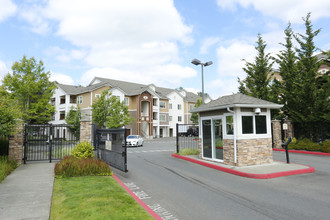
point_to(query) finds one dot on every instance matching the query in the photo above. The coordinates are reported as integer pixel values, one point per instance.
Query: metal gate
(49, 142)
(187, 136)
(111, 147)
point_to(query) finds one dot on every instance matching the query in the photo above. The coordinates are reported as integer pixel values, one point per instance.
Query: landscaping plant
(71, 167)
(6, 167)
(83, 150)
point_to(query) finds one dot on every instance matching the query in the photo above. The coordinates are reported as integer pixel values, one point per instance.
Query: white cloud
(285, 10)
(207, 43)
(128, 39)
(167, 75)
(61, 78)
(65, 55)
(34, 15)
(3, 70)
(7, 9)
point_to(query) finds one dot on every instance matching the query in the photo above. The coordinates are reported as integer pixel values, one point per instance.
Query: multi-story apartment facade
(156, 110)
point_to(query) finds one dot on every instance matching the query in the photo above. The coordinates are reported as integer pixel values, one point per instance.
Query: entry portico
(236, 130)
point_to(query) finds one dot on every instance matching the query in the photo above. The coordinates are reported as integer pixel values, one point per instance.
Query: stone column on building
(16, 142)
(277, 135)
(86, 131)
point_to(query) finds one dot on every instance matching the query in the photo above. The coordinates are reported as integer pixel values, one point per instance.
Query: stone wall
(277, 135)
(16, 142)
(249, 152)
(86, 131)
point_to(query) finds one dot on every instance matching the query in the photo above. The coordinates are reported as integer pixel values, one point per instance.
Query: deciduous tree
(109, 112)
(30, 87)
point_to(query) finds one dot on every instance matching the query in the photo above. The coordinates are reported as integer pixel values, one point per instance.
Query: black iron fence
(318, 131)
(4, 145)
(187, 136)
(48, 142)
(111, 147)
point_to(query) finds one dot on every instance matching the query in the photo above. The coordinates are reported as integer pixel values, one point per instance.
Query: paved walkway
(27, 192)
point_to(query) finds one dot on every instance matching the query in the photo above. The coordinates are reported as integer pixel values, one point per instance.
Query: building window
(261, 127)
(191, 106)
(171, 118)
(53, 117)
(62, 115)
(73, 99)
(52, 101)
(247, 124)
(170, 106)
(179, 106)
(229, 125)
(162, 117)
(62, 99)
(97, 95)
(126, 101)
(154, 116)
(154, 102)
(79, 100)
(162, 104)
(179, 118)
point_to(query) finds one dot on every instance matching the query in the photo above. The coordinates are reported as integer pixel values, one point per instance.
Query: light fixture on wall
(257, 111)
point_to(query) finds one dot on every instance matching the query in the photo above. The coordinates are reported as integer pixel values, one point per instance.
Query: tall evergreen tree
(30, 87)
(258, 80)
(307, 65)
(288, 70)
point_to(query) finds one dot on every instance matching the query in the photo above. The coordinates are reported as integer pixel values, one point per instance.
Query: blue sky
(150, 41)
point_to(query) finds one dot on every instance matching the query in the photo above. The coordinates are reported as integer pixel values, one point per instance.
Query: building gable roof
(236, 100)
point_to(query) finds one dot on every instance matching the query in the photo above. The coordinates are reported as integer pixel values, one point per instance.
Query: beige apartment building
(156, 110)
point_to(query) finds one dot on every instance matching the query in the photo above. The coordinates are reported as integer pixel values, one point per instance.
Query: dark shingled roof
(236, 100)
(129, 88)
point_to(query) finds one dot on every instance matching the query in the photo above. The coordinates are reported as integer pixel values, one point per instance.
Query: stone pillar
(16, 142)
(290, 128)
(86, 131)
(277, 135)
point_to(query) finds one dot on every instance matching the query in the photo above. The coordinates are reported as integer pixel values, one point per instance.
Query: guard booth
(236, 130)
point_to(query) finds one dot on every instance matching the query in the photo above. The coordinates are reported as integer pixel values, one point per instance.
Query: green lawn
(93, 197)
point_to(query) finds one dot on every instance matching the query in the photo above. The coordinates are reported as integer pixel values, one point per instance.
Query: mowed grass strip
(93, 197)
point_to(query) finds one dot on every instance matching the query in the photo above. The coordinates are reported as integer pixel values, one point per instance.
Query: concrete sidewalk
(267, 171)
(27, 192)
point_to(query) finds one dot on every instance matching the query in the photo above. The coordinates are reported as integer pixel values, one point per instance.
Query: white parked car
(134, 140)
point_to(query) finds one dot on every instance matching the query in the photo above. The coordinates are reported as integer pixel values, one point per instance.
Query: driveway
(177, 189)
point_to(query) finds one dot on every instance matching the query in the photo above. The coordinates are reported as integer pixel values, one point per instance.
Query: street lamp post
(197, 62)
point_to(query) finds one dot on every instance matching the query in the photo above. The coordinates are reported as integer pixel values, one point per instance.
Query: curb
(248, 175)
(303, 152)
(149, 210)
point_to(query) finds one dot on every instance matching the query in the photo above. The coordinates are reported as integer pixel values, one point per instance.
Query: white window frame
(161, 117)
(160, 106)
(179, 106)
(80, 99)
(179, 118)
(126, 101)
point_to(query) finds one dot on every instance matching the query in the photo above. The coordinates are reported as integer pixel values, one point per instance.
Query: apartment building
(156, 110)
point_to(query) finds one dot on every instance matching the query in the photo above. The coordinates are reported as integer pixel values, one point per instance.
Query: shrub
(325, 147)
(6, 167)
(83, 150)
(70, 167)
(305, 144)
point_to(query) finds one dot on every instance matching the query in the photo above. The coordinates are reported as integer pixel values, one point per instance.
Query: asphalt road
(178, 189)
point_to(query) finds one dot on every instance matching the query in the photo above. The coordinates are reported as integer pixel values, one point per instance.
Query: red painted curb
(303, 152)
(248, 175)
(149, 210)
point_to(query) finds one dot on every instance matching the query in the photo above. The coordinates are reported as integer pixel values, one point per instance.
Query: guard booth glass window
(261, 127)
(207, 138)
(230, 125)
(247, 124)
